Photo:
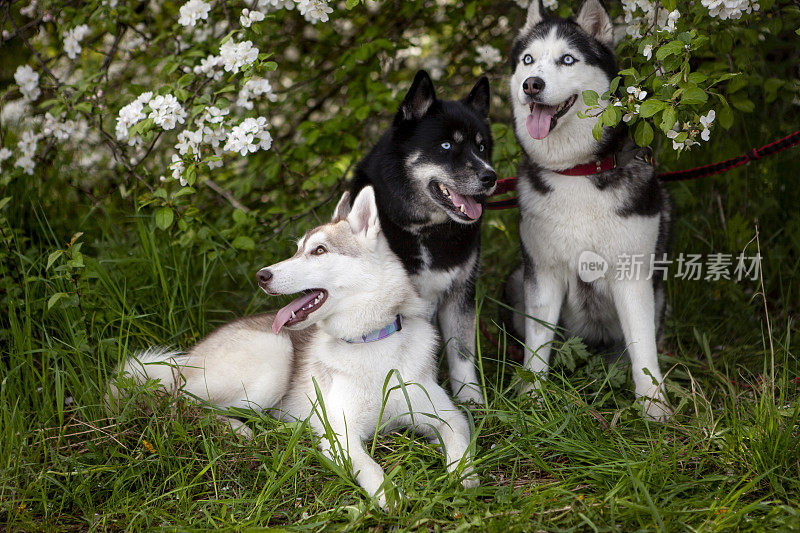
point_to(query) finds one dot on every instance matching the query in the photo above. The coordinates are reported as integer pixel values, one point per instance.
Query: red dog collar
(588, 169)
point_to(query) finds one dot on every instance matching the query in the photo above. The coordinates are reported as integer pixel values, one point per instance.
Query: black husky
(432, 171)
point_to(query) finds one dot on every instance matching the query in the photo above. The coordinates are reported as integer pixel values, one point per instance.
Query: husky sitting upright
(579, 197)
(431, 172)
(358, 329)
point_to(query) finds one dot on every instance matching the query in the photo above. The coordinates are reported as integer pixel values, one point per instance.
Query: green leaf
(643, 134)
(164, 217)
(469, 12)
(742, 103)
(611, 116)
(668, 119)
(590, 98)
(650, 107)
(694, 95)
(239, 216)
(52, 258)
(669, 49)
(597, 130)
(725, 117)
(54, 299)
(243, 242)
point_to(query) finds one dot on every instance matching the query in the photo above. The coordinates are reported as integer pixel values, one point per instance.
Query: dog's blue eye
(568, 59)
(481, 148)
(446, 146)
(528, 59)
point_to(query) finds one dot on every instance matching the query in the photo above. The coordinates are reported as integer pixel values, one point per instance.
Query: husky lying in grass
(355, 352)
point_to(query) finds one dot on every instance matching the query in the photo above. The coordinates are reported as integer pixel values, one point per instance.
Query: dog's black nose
(533, 86)
(488, 178)
(263, 276)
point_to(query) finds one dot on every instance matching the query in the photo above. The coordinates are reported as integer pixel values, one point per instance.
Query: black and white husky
(583, 204)
(336, 355)
(432, 172)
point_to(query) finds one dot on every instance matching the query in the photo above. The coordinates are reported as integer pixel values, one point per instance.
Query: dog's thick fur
(360, 286)
(435, 157)
(623, 211)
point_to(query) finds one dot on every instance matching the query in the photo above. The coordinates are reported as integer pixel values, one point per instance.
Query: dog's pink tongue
(471, 208)
(538, 122)
(285, 314)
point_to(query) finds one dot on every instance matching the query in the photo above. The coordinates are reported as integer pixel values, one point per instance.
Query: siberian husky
(432, 172)
(583, 201)
(356, 333)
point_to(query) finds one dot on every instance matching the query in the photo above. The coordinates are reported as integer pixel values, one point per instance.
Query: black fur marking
(531, 171)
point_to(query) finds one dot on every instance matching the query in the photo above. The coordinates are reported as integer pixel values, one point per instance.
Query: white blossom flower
(60, 130)
(249, 136)
(128, 116)
(435, 65)
(30, 10)
(672, 17)
(249, 17)
(627, 117)
(14, 111)
(314, 10)
(177, 167)
(488, 55)
(5, 153)
(192, 11)
(706, 121)
(28, 81)
(676, 145)
(208, 66)
(648, 51)
(255, 86)
(274, 5)
(637, 93)
(729, 9)
(26, 147)
(190, 140)
(73, 38)
(215, 115)
(236, 55)
(166, 111)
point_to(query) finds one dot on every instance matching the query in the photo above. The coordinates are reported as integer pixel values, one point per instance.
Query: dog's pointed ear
(342, 208)
(419, 99)
(536, 14)
(363, 217)
(479, 97)
(594, 20)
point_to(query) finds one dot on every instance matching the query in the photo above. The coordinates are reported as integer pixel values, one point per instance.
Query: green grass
(581, 458)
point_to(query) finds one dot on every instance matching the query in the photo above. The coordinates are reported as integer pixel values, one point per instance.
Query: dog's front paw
(471, 480)
(469, 395)
(389, 498)
(657, 410)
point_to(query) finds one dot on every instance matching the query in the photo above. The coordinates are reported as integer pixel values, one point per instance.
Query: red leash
(510, 184)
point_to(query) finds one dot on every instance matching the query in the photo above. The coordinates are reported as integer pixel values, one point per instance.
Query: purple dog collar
(379, 334)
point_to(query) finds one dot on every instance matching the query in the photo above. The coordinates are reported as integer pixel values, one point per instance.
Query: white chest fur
(575, 216)
(432, 284)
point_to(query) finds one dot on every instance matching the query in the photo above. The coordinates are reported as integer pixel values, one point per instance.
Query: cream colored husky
(358, 331)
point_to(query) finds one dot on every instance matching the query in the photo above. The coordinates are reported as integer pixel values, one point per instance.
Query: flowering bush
(170, 107)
